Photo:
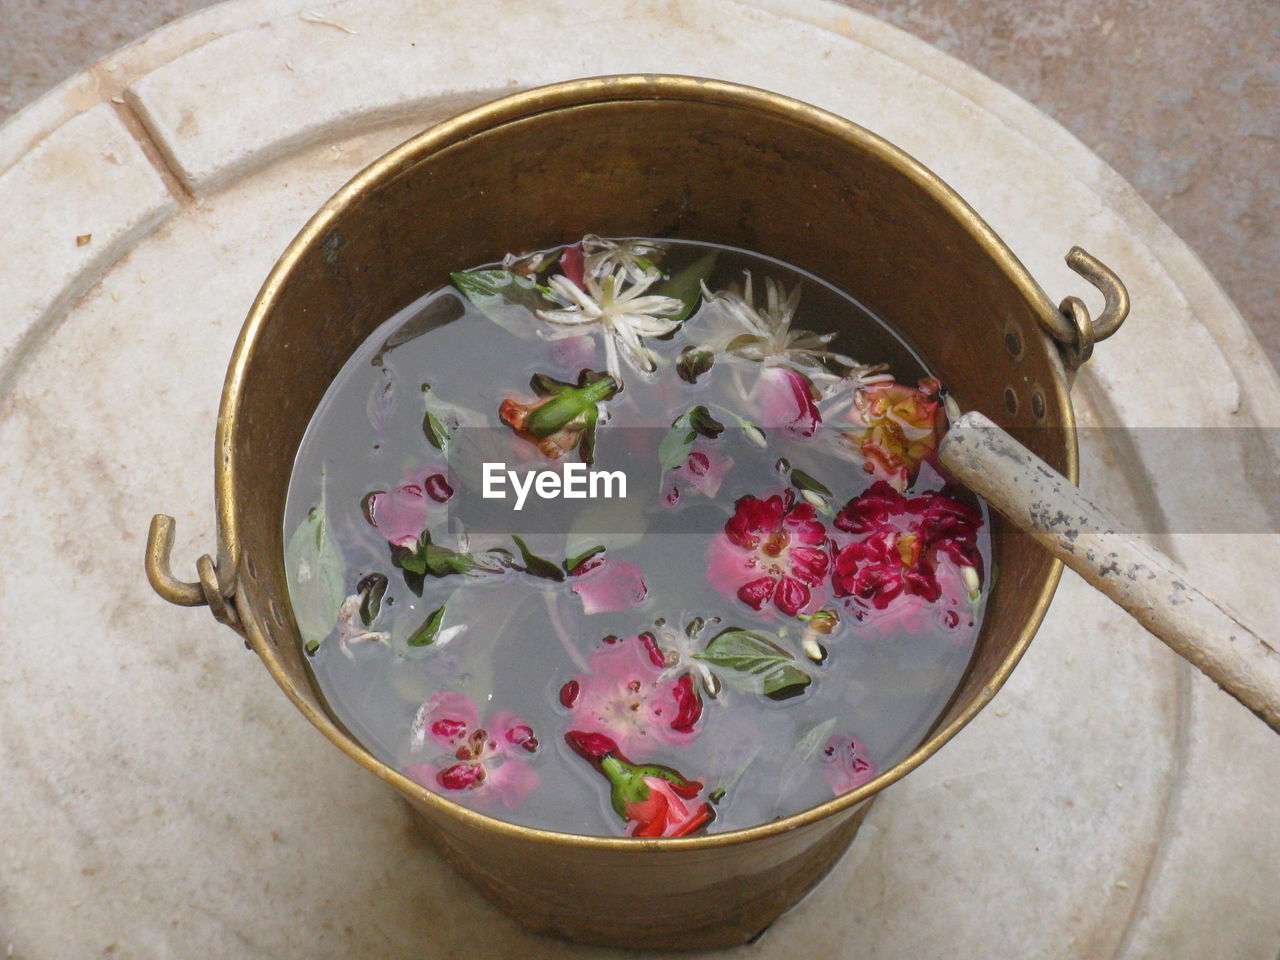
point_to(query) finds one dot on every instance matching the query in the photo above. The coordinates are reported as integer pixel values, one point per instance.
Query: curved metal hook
(209, 591)
(160, 573)
(1115, 296)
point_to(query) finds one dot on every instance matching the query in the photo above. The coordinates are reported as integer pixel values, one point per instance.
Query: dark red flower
(902, 545)
(771, 549)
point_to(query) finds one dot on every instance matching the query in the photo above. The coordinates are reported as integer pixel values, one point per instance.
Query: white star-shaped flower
(623, 312)
(601, 257)
(764, 333)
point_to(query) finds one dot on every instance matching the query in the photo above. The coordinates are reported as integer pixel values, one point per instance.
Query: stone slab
(169, 801)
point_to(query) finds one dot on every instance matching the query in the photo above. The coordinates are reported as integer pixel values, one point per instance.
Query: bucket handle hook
(1073, 327)
(208, 591)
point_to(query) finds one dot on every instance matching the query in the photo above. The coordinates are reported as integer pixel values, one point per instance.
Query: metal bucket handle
(1072, 327)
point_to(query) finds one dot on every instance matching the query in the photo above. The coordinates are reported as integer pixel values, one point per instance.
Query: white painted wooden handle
(1146, 583)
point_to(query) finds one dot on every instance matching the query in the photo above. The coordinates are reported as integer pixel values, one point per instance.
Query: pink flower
(846, 764)
(771, 549)
(485, 764)
(898, 427)
(703, 470)
(401, 514)
(786, 400)
(629, 699)
(606, 585)
(906, 548)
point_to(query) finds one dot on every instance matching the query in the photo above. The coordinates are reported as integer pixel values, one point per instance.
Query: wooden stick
(1146, 583)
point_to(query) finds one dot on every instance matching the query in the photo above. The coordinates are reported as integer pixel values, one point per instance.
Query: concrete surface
(1181, 97)
(162, 798)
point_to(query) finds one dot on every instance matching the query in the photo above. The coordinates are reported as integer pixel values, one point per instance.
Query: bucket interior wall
(702, 171)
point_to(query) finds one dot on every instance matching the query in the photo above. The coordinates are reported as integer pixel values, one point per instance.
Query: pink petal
(511, 733)
(704, 470)
(448, 718)
(400, 514)
(610, 586)
(728, 566)
(510, 783)
(847, 765)
(787, 401)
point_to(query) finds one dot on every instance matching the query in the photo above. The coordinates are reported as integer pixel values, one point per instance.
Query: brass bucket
(652, 156)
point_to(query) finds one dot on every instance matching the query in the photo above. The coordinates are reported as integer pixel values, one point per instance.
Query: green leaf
(693, 363)
(753, 662)
(431, 559)
(371, 590)
(432, 425)
(675, 447)
(573, 563)
(686, 284)
(804, 481)
(504, 297)
(425, 635)
(535, 565)
(317, 581)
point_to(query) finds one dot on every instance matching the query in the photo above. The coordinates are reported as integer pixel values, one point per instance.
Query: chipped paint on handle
(1146, 583)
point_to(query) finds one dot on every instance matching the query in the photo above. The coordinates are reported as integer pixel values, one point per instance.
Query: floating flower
(897, 426)
(846, 764)
(654, 800)
(607, 585)
(565, 415)
(484, 763)
(623, 312)
(907, 547)
(764, 334)
(634, 258)
(770, 550)
(630, 697)
(401, 514)
(786, 400)
(703, 470)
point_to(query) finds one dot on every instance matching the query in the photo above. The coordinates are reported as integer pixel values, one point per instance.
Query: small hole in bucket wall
(1010, 400)
(277, 614)
(251, 568)
(1037, 403)
(1013, 341)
